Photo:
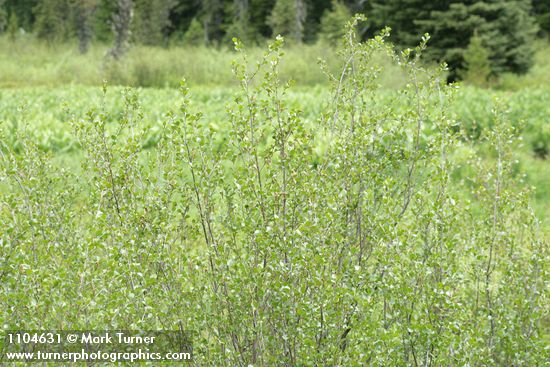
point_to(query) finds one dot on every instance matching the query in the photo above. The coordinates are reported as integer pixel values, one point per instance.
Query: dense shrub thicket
(344, 242)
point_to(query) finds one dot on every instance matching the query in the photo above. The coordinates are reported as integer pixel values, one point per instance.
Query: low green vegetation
(384, 218)
(477, 66)
(62, 64)
(43, 109)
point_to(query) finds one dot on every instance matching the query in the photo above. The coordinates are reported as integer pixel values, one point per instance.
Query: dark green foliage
(212, 15)
(541, 9)
(54, 20)
(238, 22)
(333, 22)
(151, 21)
(259, 13)
(195, 35)
(477, 63)
(3, 17)
(24, 9)
(102, 20)
(13, 26)
(247, 20)
(182, 15)
(315, 11)
(404, 18)
(506, 28)
(281, 20)
(288, 18)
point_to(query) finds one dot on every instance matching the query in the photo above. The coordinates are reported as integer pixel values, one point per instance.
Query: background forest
(493, 37)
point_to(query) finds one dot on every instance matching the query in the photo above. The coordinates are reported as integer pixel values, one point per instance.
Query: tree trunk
(121, 28)
(85, 10)
(301, 13)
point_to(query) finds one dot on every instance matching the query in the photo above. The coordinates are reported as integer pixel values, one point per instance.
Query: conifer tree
(477, 65)
(259, 13)
(24, 11)
(13, 26)
(288, 18)
(54, 20)
(212, 13)
(195, 35)
(180, 17)
(315, 11)
(541, 9)
(3, 17)
(101, 22)
(506, 28)
(151, 20)
(403, 16)
(239, 21)
(333, 22)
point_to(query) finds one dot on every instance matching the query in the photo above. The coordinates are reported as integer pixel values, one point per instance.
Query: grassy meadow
(57, 64)
(375, 217)
(44, 111)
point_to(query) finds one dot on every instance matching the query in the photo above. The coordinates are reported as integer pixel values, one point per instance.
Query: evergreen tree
(195, 35)
(151, 20)
(315, 11)
(541, 9)
(505, 27)
(280, 19)
(24, 12)
(13, 26)
(54, 20)
(182, 15)
(102, 21)
(259, 13)
(477, 66)
(212, 14)
(288, 18)
(239, 22)
(333, 22)
(403, 16)
(3, 16)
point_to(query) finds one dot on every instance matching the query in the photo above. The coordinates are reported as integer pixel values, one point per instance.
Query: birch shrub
(278, 241)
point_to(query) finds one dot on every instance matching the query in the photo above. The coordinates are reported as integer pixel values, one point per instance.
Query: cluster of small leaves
(36, 209)
(281, 242)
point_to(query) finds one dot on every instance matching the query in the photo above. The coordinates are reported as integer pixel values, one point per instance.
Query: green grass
(61, 64)
(44, 110)
(28, 62)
